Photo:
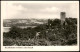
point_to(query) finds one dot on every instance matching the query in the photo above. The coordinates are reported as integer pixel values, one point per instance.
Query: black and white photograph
(40, 23)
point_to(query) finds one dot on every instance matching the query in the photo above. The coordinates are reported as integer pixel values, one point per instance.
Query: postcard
(39, 25)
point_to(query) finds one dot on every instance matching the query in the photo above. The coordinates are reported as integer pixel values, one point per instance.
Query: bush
(8, 42)
(14, 32)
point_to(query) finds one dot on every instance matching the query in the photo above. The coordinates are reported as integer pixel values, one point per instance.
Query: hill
(44, 34)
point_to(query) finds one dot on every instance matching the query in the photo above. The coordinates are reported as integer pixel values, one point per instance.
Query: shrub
(14, 32)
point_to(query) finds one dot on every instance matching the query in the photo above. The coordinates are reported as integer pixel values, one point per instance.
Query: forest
(50, 34)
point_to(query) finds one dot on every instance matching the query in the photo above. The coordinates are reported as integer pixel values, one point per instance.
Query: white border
(40, 48)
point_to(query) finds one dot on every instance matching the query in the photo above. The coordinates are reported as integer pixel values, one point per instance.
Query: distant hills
(23, 22)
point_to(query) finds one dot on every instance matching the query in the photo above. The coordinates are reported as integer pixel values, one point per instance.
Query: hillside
(44, 34)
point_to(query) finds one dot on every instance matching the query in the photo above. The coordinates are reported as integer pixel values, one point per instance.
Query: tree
(15, 32)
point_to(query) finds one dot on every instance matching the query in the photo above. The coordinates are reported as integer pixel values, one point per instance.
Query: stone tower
(63, 15)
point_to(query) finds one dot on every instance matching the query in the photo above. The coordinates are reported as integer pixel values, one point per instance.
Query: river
(6, 29)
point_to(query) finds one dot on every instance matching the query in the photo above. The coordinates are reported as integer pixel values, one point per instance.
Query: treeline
(53, 32)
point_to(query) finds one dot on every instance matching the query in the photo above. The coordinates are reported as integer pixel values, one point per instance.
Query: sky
(38, 9)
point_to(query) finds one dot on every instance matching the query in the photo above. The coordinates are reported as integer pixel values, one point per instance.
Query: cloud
(9, 10)
(51, 9)
(39, 10)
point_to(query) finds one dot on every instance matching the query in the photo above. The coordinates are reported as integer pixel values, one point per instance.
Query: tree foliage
(66, 34)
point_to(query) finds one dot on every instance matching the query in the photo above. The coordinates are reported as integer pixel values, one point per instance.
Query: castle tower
(63, 15)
